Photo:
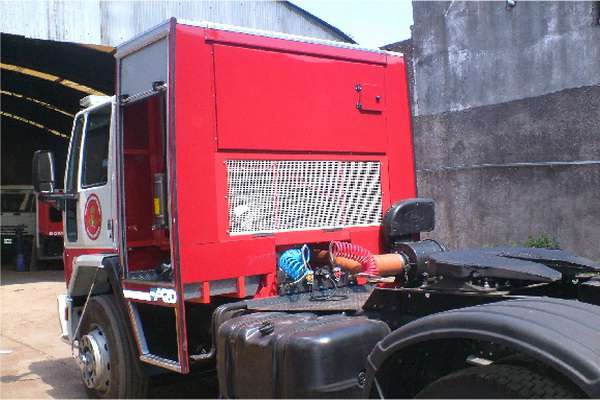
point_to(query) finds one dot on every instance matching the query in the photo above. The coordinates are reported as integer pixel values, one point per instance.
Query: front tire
(108, 360)
(501, 382)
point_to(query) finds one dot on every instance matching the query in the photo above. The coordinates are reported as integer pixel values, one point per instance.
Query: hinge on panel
(159, 85)
(122, 99)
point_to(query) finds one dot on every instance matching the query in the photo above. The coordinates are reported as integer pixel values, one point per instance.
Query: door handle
(109, 228)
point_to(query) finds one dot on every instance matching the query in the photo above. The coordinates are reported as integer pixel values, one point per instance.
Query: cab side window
(71, 181)
(95, 149)
(73, 164)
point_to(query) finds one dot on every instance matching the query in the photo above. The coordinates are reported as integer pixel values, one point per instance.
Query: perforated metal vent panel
(290, 195)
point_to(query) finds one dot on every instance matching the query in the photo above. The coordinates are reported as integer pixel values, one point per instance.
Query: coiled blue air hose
(294, 262)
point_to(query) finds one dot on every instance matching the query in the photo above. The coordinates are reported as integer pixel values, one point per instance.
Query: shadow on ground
(191, 386)
(11, 277)
(52, 373)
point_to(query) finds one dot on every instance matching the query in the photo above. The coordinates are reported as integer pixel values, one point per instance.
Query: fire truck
(246, 206)
(47, 245)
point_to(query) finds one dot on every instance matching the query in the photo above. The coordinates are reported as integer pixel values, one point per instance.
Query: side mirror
(408, 217)
(43, 172)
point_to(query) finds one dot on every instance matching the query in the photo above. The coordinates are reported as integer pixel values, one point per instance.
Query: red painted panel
(294, 102)
(292, 46)
(195, 135)
(206, 262)
(400, 152)
(49, 219)
(370, 97)
(144, 156)
(370, 240)
(138, 179)
(241, 96)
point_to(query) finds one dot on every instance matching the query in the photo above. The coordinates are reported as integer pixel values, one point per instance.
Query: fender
(87, 270)
(561, 334)
(99, 273)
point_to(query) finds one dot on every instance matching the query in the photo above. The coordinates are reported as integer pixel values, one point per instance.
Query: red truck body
(291, 101)
(322, 128)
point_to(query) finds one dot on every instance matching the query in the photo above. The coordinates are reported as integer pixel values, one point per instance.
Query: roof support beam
(33, 123)
(53, 78)
(38, 102)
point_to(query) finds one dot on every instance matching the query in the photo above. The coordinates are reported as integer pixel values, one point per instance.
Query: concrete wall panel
(562, 126)
(469, 54)
(494, 87)
(504, 206)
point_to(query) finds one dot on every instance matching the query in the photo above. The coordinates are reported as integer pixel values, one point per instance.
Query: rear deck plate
(350, 298)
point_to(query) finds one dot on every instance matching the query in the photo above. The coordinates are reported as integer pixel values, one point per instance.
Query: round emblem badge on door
(92, 217)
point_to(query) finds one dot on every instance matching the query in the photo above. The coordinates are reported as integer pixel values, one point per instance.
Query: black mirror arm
(58, 198)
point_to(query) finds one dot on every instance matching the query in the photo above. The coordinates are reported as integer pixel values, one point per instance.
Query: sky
(372, 23)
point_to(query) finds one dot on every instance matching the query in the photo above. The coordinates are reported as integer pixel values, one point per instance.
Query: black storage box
(273, 354)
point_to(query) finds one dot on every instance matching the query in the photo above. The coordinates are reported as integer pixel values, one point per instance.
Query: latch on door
(370, 97)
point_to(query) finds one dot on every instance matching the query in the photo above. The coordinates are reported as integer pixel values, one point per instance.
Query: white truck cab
(88, 221)
(87, 201)
(18, 212)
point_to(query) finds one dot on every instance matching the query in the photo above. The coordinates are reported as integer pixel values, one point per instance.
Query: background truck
(47, 245)
(37, 223)
(18, 218)
(246, 206)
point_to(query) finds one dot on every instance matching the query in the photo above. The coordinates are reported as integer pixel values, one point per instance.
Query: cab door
(88, 217)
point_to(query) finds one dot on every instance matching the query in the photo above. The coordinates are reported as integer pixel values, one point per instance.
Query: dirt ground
(34, 362)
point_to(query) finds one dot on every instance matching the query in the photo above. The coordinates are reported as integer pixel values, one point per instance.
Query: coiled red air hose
(356, 253)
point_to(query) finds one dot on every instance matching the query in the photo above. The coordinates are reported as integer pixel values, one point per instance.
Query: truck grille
(289, 195)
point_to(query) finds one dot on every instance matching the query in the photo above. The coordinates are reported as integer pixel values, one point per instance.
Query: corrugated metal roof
(109, 23)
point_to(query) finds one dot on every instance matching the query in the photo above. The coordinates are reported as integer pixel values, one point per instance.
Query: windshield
(13, 202)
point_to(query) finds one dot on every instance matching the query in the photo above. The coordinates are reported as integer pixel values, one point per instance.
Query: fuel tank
(272, 355)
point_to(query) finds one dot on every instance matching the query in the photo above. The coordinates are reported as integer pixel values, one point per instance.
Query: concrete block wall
(506, 106)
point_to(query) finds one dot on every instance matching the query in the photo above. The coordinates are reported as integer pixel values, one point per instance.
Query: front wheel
(109, 364)
(501, 382)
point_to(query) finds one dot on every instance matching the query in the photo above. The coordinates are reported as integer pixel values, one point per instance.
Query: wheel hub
(94, 360)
